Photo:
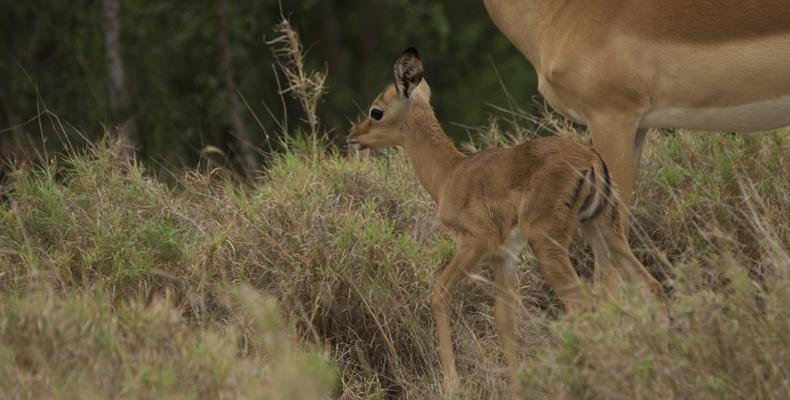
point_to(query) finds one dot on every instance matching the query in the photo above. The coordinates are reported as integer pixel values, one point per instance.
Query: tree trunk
(243, 146)
(120, 103)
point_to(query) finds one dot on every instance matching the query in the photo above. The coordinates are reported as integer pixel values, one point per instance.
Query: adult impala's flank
(621, 67)
(496, 201)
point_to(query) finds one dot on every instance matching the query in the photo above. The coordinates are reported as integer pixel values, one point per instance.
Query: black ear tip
(411, 51)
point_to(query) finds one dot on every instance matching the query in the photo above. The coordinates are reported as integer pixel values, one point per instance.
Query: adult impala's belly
(738, 85)
(760, 115)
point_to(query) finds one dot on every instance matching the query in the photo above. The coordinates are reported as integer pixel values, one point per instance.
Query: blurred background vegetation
(181, 76)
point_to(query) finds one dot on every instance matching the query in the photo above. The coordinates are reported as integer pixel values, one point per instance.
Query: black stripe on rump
(577, 190)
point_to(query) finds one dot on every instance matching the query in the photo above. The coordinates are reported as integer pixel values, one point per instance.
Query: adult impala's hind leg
(463, 262)
(617, 139)
(505, 307)
(619, 142)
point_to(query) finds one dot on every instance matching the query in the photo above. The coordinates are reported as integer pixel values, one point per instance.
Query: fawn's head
(390, 115)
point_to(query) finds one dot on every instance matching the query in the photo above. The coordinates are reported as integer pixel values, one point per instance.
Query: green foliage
(713, 190)
(73, 211)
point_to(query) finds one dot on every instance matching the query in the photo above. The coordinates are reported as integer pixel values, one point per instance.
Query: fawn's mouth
(356, 144)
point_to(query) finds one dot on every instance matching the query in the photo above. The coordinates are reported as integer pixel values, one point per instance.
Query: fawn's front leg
(463, 262)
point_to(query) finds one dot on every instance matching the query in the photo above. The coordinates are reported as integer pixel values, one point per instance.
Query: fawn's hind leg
(505, 306)
(610, 245)
(548, 224)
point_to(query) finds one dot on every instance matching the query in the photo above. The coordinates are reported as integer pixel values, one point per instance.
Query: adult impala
(621, 67)
(498, 200)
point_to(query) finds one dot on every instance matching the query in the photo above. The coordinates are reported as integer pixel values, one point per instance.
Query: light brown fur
(622, 67)
(536, 193)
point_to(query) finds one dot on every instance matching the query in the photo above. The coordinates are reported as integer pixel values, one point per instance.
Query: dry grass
(307, 87)
(103, 266)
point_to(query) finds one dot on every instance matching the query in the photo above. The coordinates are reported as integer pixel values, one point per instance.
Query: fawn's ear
(408, 71)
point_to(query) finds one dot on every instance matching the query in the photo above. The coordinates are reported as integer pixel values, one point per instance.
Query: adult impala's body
(621, 67)
(496, 201)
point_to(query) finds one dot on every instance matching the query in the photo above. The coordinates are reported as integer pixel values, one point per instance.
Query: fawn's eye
(376, 114)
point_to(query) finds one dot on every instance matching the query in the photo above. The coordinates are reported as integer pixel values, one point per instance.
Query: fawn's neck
(432, 153)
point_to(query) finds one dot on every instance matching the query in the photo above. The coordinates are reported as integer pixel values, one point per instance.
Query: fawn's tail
(601, 193)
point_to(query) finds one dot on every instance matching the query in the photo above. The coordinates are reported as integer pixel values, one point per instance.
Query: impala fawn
(497, 201)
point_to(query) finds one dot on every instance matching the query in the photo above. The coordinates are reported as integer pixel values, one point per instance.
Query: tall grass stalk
(300, 83)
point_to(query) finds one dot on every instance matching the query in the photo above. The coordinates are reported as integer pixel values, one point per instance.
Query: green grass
(313, 283)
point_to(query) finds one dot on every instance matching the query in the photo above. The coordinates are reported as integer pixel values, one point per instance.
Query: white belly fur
(763, 115)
